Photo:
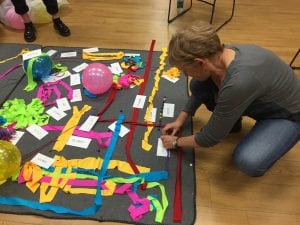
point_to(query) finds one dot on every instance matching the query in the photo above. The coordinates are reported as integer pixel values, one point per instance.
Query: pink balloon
(13, 20)
(97, 78)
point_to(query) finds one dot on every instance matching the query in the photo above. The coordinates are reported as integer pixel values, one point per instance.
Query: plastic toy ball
(40, 66)
(10, 160)
(97, 78)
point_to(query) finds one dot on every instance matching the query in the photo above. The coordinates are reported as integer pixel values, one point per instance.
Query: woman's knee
(252, 166)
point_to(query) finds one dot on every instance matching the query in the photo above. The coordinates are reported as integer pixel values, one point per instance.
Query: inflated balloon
(13, 20)
(97, 78)
(39, 67)
(10, 160)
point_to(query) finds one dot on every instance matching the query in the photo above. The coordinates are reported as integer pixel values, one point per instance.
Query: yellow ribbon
(95, 56)
(14, 57)
(70, 127)
(145, 142)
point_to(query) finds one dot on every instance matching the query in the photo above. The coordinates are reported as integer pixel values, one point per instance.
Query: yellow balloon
(10, 160)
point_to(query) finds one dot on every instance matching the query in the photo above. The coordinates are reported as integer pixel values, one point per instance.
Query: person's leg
(206, 92)
(59, 26)
(22, 9)
(265, 144)
(20, 6)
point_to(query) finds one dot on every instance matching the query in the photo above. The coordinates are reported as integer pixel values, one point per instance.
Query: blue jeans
(267, 141)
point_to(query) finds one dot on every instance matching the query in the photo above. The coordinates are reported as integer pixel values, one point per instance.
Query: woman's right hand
(171, 128)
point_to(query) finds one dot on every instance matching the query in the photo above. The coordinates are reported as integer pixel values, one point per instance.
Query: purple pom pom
(6, 133)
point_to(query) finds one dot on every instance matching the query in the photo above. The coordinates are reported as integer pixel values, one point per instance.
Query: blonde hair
(197, 41)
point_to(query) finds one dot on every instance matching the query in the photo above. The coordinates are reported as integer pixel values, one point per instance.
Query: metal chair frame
(294, 58)
(213, 4)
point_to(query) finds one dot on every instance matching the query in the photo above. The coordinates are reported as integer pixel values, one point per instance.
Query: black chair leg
(170, 20)
(294, 58)
(213, 5)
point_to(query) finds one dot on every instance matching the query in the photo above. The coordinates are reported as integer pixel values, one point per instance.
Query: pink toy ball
(13, 20)
(97, 78)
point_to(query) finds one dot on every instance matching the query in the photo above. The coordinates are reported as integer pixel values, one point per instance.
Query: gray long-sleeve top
(257, 84)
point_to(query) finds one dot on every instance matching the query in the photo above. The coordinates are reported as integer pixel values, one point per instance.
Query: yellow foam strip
(89, 191)
(96, 163)
(67, 188)
(48, 191)
(70, 127)
(47, 197)
(32, 174)
(14, 57)
(145, 142)
(102, 55)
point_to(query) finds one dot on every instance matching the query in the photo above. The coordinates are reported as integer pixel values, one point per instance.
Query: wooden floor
(225, 196)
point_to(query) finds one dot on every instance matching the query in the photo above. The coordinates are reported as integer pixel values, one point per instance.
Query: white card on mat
(76, 95)
(116, 68)
(153, 115)
(16, 137)
(31, 54)
(42, 160)
(51, 52)
(37, 131)
(124, 130)
(56, 113)
(56, 77)
(80, 142)
(168, 110)
(94, 49)
(75, 79)
(68, 54)
(89, 123)
(173, 80)
(161, 150)
(139, 101)
(63, 104)
(80, 67)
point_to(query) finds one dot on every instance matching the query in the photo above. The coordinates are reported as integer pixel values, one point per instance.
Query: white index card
(76, 95)
(31, 54)
(63, 104)
(153, 115)
(94, 49)
(68, 54)
(168, 110)
(80, 142)
(115, 68)
(51, 52)
(56, 113)
(161, 150)
(37, 131)
(16, 137)
(75, 79)
(173, 80)
(89, 123)
(124, 130)
(56, 76)
(80, 67)
(42, 160)
(139, 101)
